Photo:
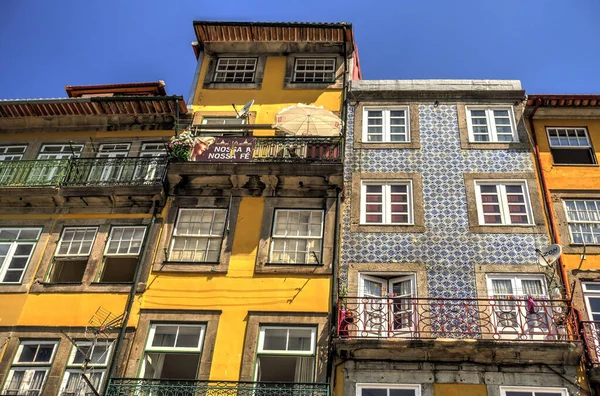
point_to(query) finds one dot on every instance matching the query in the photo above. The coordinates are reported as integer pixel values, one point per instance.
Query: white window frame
(386, 203)
(516, 280)
(216, 76)
(152, 332)
(503, 202)
(148, 149)
(285, 237)
(589, 292)
(128, 254)
(261, 341)
(362, 385)
(94, 368)
(4, 154)
(533, 390)
(64, 153)
(573, 222)
(386, 124)
(112, 150)
(30, 366)
(208, 236)
(62, 236)
(491, 124)
(315, 72)
(569, 146)
(223, 119)
(14, 243)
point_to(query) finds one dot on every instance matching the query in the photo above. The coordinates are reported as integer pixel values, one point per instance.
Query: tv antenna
(245, 112)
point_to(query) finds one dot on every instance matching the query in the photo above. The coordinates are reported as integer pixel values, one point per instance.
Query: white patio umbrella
(305, 120)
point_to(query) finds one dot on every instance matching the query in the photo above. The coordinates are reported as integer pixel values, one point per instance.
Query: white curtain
(304, 369)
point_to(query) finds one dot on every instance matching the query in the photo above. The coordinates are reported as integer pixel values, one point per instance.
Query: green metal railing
(298, 149)
(163, 387)
(33, 173)
(130, 171)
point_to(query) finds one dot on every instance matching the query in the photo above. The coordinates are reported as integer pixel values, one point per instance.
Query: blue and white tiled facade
(447, 248)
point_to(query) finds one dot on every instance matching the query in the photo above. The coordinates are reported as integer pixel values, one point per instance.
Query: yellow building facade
(566, 134)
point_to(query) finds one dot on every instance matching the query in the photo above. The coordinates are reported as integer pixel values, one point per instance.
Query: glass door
(47, 169)
(110, 170)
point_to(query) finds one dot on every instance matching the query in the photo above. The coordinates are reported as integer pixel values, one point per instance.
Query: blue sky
(552, 46)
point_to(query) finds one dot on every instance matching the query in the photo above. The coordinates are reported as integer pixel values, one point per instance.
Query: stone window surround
(36, 257)
(582, 276)
(262, 257)
(413, 115)
(558, 206)
(539, 224)
(519, 119)
(61, 356)
(288, 83)
(418, 270)
(258, 318)
(161, 263)
(417, 194)
(179, 316)
(212, 65)
(482, 271)
(94, 260)
(200, 115)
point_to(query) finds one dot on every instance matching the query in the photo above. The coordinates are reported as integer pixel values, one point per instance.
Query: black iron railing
(33, 173)
(126, 171)
(298, 149)
(147, 387)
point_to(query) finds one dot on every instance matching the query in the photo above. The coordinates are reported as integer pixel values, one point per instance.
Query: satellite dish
(245, 110)
(548, 255)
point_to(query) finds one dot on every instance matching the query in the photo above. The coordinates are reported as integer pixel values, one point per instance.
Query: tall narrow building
(440, 287)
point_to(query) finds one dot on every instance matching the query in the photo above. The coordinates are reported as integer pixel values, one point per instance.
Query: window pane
(275, 339)
(374, 392)
(164, 336)
(299, 340)
(189, 336)
(402, 392)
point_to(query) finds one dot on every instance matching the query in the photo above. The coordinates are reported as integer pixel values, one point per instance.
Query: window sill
(13, 288)
(313, 85)
(494, 145)
(190, 266)
(583, 165)
(278, 268)
(233, 85)
(396, 228)
(508, 229)
(387, 145)
(94, 287)
(574, 248)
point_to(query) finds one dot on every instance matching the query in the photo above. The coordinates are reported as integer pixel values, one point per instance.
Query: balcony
(126, 171)
(142, 386)
(40, 173)
(591, 335)
(455, 329)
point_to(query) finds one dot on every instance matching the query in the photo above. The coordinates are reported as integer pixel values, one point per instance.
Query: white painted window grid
(59, 151)
(76, 241)
(386, 125)
(314, 70)
(222, 121)
(125, 241)
(165, 337)
(518, 285)
(379, 389)
(30, 367)
(153, 150)
(297, 236)
(198, 235)
(491, 125)
(583, 217)
(283, 340)
(12, 153)
(532, 391)
(570, 137)
(98, 354)
(113, 150)
(387, 202)
(503, 202)
(235, 70)
(591, 292)
(16, 248)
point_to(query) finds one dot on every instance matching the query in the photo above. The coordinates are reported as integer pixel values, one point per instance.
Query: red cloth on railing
(530, 305)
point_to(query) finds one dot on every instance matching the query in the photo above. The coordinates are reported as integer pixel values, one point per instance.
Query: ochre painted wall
(459, 390)
(237, 292)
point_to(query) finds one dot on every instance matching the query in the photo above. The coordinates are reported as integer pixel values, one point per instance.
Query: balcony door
(111, 170)
(387, 305)
(8, 171)
(591, 293)
(48, 169)
(150, 170)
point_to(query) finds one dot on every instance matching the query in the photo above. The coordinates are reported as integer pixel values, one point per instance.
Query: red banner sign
(223, 149)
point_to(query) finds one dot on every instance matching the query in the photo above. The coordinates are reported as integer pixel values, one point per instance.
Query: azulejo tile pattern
(447, 249)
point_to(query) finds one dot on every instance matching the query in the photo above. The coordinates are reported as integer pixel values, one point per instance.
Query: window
(387, 307)
(11, 153)
(491, 125)
(30, 368)
(59, 151)
(503, 203)
(153, 150)
(386, 125)
(387, 390)
(583, 216)
(591, 292)
(121, 253)
(286, 354)
(222, 121)
(314, 70)
(53, 164)
(227, 131)
(8, 172)
(297, 237)
(110, 169)
(71, 256)
(235, 70)
(98, 354)
(16, 247)
(198, 235)
(527, 391)
(173, 351)
(386, 203)
(571, 146)
(151, 168)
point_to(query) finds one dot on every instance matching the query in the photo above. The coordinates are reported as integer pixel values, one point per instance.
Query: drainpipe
(546, 194)
(132, 293)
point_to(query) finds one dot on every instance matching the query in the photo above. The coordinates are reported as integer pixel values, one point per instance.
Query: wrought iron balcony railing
(147, 387)
(591, 335)
(297, 149)
(527, 319)
(33, 173)
(125, 171)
